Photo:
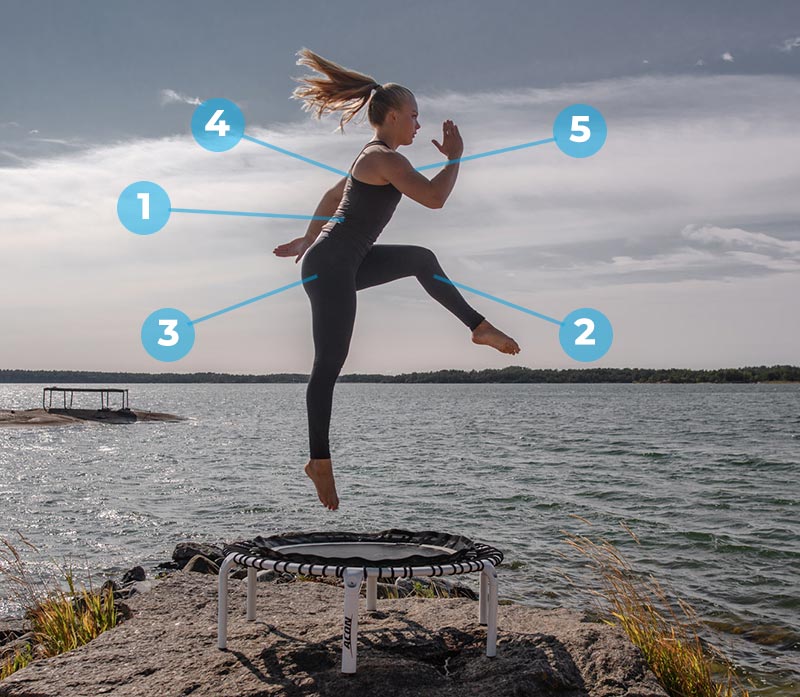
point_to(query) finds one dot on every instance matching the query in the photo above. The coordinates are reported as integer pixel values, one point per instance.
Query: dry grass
(667, 630)
(61, 619)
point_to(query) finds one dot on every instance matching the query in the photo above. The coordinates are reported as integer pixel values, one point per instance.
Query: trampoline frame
(353, 578)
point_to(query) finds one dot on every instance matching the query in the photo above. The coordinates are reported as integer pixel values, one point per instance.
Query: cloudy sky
(684, 229)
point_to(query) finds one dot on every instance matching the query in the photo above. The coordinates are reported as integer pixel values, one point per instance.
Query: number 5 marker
(579, 130)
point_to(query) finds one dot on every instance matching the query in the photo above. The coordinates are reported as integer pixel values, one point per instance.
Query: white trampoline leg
(483, 598)
(372, 592)
(251, 593)
(491, 629)
(352, 586)
(222, 602)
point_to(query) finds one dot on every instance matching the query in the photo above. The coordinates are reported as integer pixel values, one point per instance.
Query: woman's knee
(329, 364)
(425, 257)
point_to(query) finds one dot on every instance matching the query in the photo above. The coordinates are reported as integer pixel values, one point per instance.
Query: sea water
(705, 476)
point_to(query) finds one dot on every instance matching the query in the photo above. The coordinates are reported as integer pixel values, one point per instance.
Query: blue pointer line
(486, 154)
(252, 300)
(256, 215)
(499, 300)
(294, 154)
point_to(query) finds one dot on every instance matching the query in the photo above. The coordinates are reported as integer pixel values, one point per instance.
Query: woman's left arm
(325, 209)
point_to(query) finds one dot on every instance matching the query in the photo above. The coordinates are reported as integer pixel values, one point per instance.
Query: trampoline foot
(491, 610)
(251, 593)
(352, 587)
(483, 598)
(372, 593)
(222, 602)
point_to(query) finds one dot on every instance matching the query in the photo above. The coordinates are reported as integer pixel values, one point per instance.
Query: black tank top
(366, 208)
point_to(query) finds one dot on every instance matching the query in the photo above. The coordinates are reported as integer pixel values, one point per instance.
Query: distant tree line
(512, 374)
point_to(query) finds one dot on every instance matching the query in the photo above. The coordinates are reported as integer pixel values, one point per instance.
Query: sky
(684, 229)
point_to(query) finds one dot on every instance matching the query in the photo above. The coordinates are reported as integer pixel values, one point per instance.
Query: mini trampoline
(354, 557)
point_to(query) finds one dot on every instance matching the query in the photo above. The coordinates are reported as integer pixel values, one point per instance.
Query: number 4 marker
(217, 125)
(221, 127)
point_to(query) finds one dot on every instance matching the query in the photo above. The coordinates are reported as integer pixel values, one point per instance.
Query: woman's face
(407, 124)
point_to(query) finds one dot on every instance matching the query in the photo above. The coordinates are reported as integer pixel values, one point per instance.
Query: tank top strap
(372, 142)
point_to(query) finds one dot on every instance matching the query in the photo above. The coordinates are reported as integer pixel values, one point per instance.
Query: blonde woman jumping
(344, 254)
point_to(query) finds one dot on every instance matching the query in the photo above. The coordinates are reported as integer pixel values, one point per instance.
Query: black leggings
(342, 271)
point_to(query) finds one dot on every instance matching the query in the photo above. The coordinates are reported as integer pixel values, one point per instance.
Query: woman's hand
(298, 247)
(452, 146)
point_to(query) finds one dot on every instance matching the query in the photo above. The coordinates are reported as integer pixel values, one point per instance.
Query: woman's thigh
(388, 262)
(333, 298)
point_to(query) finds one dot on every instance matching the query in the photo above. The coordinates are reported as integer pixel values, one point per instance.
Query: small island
(48, 415)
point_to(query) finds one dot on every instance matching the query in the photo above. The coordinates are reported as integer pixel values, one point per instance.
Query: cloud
(790, 44)
(22, 150)
(693, 188)
(700, 62)
(736, 237)
(73, 143)
(169, 96)
(727, 57)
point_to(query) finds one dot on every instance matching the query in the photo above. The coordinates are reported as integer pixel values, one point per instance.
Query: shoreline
(422, 646)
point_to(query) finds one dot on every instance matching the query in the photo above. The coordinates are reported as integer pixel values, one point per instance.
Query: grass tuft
(61, 619)
(667, 630)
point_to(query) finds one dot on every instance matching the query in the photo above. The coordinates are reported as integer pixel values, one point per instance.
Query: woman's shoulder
(374, 164)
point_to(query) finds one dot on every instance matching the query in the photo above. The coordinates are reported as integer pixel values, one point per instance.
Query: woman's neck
(386, 140)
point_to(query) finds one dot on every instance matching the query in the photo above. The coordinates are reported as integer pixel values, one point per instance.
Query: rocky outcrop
(408, 647)
(58, 417)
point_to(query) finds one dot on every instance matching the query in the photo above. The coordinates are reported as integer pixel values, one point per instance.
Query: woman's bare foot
(321, 473)
(490, 335)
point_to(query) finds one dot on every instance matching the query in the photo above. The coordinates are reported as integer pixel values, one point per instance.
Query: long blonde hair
(345, 90)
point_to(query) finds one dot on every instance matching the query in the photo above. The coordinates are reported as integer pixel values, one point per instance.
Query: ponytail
(345, 90)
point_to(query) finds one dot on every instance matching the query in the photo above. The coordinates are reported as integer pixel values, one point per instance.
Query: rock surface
(409, 647)
(43, 417)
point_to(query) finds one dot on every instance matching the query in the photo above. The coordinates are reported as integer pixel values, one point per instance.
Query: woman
(343, 254)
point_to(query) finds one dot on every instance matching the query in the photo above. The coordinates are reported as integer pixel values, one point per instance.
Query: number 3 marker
(167, 334)
(170, 325)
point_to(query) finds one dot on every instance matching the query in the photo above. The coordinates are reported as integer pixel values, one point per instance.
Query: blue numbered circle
(143, 208)
(586, 334)
(167, 334)
(218, 124)
(580, 130)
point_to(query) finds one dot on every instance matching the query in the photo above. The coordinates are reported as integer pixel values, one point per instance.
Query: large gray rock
(185, 551)
(137, 573)
(201, 564)
(408, 647)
